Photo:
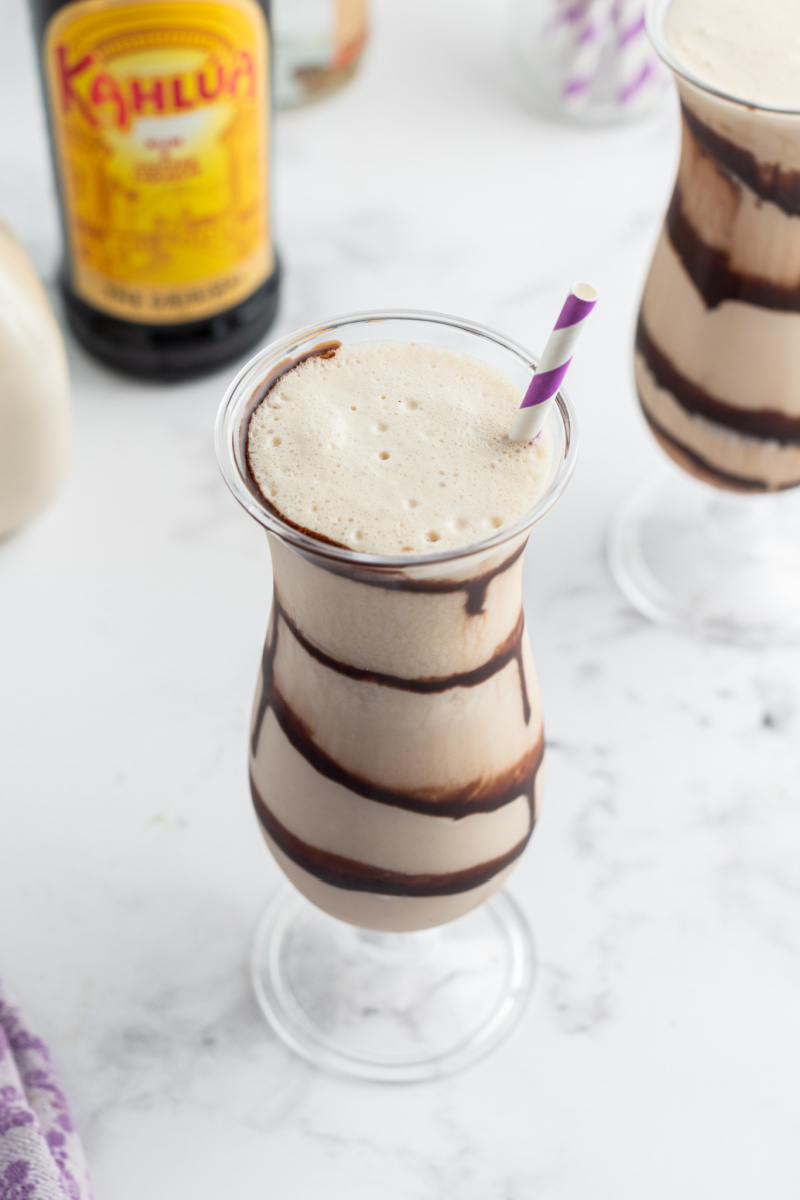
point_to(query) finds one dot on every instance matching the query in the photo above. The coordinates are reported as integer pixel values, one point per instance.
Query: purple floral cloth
(41, 1157)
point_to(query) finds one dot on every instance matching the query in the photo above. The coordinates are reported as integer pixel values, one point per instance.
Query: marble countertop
(660, 1056)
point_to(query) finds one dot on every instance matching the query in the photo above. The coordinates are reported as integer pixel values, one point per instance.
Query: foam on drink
(396, 448)
(747, 48)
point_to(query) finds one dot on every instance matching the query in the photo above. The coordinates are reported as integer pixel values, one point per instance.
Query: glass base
(721, 565)
(392, 1007)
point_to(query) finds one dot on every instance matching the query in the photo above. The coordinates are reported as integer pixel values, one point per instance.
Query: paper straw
(598, 58)
(639, 69)
(556, 357)
(590, 41)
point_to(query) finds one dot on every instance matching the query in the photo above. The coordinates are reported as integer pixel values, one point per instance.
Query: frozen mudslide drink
(718, 343)
(717, 355)
(396, 746)
(397, 733)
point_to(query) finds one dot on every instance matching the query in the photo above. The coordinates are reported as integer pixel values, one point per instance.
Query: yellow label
(160, 123)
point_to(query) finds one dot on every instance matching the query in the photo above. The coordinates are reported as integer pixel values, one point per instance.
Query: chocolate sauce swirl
(478, 796)
(508, 651)
(711, 273)
(765, 423)
(769, 181)
(702, 466)
(474, 589)
(354, 876)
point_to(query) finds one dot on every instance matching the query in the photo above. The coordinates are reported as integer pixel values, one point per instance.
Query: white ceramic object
(34, 392)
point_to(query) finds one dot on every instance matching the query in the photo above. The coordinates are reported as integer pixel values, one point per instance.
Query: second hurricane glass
(717, 365)
(396, 760)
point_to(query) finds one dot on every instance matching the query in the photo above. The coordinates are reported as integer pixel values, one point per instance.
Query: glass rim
(654, 19)
(233, 410)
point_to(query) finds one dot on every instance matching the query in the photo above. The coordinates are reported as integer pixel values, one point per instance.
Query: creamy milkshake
(397, 744)
(718, 340)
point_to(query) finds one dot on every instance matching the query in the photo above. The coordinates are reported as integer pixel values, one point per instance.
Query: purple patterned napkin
(41, 1157)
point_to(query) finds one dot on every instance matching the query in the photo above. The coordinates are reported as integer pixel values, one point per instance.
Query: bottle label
(159, 113)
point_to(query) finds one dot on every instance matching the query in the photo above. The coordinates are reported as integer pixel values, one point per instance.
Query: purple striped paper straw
(556, 357)
(638, 65)
(589, 46)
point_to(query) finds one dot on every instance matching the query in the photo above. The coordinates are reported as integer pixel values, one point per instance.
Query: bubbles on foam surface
(394, 448)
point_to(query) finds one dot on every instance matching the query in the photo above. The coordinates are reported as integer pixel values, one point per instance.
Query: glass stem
(748, 520)
(395, 949)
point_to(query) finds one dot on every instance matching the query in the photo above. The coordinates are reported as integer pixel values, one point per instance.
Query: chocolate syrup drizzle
(765, 423)
(510, 649)
(739, 483)
(354, 876)
(474, 589)
(768, 180)
(478, 796)
(711, 273)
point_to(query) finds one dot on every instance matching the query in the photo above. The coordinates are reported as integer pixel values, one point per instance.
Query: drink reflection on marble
(717, 355)
(396, 744)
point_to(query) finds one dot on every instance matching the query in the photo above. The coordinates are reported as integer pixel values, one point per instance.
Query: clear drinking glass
(395, 761)
(717, 367)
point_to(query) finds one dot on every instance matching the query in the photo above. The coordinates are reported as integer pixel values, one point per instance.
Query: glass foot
(393, 1007)
(716, 564)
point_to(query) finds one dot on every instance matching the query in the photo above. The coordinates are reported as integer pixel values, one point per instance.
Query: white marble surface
(661, 1055)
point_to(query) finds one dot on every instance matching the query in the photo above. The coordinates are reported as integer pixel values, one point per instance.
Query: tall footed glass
(396, 761)
(716, 549)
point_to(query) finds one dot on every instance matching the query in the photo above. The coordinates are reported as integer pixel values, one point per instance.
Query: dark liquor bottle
(159, 114)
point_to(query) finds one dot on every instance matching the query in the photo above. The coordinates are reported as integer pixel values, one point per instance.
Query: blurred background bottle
(159, 116)
(585, 60)
(318, 46)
